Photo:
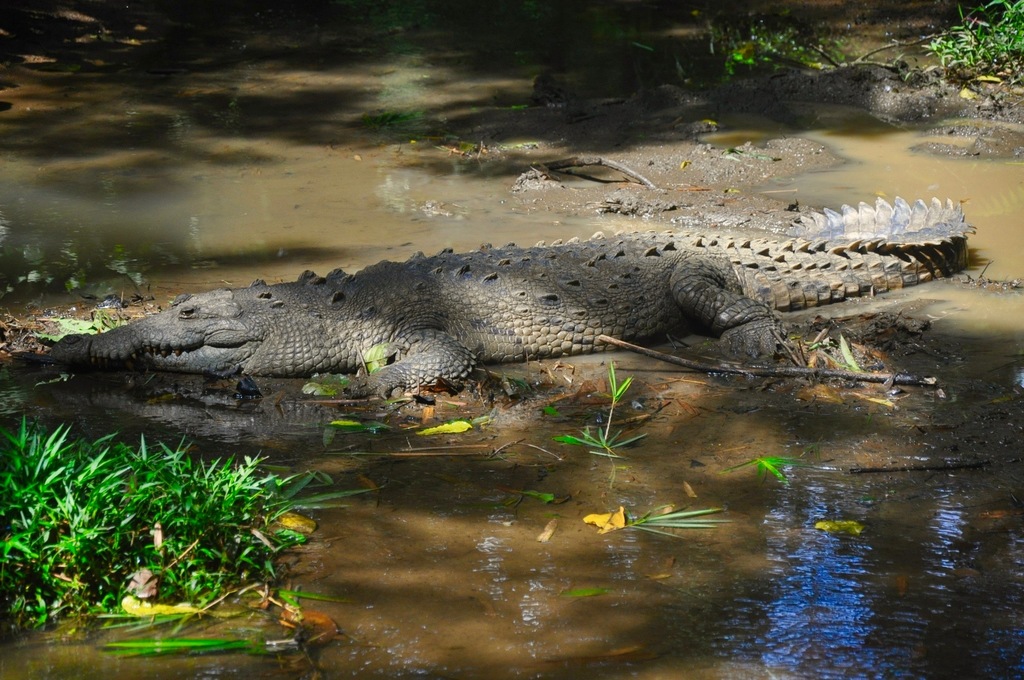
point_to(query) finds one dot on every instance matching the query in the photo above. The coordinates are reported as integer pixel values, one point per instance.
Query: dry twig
(581, 161)
(774, 371)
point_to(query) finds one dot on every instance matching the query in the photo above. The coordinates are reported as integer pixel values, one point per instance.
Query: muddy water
(443, 572)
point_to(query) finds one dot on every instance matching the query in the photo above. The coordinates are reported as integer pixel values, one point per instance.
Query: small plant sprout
(601, 441)
(772, 464)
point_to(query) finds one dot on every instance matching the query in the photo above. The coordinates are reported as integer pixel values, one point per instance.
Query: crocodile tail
(856, 252)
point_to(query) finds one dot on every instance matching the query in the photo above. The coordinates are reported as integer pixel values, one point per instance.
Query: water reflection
(884, 604)
(221, 180)
(821, 614)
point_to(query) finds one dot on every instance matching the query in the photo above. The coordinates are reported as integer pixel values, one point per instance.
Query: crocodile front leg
(427, 356)
(708, 291)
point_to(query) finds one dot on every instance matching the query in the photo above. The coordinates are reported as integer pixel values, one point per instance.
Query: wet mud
(178, 164)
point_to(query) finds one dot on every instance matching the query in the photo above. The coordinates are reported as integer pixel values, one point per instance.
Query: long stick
(773, 371)
(960, 465)
(581, 161)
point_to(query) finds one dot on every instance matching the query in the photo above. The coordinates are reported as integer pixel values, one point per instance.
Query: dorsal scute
(899, 222)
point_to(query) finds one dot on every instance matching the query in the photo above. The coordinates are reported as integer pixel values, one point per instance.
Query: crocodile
(439, 316)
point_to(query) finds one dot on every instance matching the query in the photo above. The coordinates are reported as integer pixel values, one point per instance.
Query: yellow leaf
(968, 94)
(454, 427)
(877, 400)
(136, 607)
(607, 521)
(840, 526)
(684, 164)
(989, 79)
(660, 576)
(296, 522)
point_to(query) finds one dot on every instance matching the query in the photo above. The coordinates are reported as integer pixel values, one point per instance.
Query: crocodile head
(206, 333)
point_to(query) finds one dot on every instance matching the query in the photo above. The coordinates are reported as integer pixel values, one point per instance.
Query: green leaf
(326, 385)
(69, 327)
(584, 592)
(680, 519)
(347, 425)
(541, 496)
(848, 357)
(306, 595)
(377, 357)
(178, 646)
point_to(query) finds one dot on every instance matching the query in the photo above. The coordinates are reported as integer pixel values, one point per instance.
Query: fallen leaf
(548, 532)
(607, 521)
(368, 483)
(840, 526)
(136, 607)
(689, 490)
(630, 654)
(584, 592)
(876, 400)
(317, 628)
(347, 424)
(296, 522)
(454, 427)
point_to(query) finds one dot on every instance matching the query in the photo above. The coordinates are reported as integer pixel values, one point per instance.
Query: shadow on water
(449, 579)
(138, 111)
(227, 154)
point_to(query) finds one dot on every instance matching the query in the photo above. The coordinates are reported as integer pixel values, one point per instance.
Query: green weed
(79, 519)
(391, 120)
(988, 42)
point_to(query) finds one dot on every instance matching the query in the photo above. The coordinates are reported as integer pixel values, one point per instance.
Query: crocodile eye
(187, 312)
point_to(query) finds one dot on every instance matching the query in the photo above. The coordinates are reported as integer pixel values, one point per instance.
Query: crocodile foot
(760, 337)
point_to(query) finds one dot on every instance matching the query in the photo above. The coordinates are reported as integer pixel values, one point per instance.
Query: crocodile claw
(761, 337)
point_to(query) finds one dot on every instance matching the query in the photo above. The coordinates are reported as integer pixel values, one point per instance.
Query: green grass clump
(79, 519)
(989, 41)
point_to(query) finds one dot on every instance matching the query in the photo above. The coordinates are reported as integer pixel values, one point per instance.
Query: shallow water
(443, 571)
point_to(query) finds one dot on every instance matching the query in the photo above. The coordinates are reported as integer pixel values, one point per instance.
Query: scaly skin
(441, 315)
